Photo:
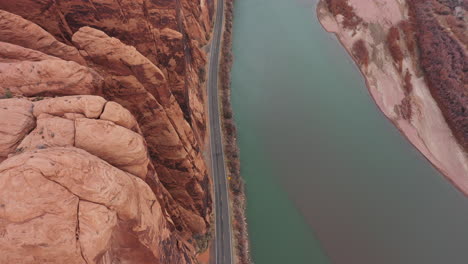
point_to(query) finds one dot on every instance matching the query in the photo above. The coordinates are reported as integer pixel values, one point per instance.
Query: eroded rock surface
(15, 122)
(19, 31)
(73, 187)
(169, 33)
(49, 203)
(102, 120)
(143, 89)
(48, 77)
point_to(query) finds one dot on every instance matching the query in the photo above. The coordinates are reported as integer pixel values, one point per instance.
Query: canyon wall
(412, 54)
(103, 129)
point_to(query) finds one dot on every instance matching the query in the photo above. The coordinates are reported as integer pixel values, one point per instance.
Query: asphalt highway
(223, 230)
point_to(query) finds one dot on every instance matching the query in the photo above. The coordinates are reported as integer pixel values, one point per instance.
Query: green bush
(7, 94)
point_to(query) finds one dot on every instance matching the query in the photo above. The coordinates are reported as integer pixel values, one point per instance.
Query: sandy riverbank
(424, 125)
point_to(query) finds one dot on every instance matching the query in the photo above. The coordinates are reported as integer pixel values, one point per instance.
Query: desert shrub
(202, 242)
(202, 74)
(360, 52)
(341, 7)
(405, 108)
(7, 94)
(393, 38)
(407, 85)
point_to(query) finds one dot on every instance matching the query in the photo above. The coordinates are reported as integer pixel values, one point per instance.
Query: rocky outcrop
(176, 152)
(103, 119)
(413, 56)
(48, 77)
(17, 120)
(74, 191)
(16, 30)
(169, 33)
(29, 66)
(40, 192)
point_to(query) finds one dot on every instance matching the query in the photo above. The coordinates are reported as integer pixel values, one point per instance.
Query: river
(329, 179)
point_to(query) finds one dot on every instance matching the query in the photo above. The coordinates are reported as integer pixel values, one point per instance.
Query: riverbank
(328, 178)
(377, 38)
(231, 150)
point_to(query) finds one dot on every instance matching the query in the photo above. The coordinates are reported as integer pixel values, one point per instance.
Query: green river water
(329, 179)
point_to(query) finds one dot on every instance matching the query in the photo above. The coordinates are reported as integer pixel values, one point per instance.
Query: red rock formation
(107, 181)
(13, 129)
(74, 187)
(168, 33)
(48, 77)
(16, 30)
(176, 153)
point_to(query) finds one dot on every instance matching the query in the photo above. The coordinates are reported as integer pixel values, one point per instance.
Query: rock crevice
(100, 157)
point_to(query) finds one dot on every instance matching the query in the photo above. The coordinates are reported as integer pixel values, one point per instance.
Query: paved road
(223, 247)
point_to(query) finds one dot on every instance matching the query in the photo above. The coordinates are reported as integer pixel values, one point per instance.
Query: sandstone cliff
(103, 130)
(413, 56)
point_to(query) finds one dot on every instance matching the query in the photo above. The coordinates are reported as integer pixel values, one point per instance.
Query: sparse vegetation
(19, 150)
(407, 85)
(231, 149)
(405, 108)
(393, 38)
(202, 242)
(341, 7)
(443, 61)
(7, 94)
(202, 74)
(360, 52)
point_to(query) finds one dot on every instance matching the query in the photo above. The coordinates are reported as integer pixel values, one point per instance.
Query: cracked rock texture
(102, 124)
(74, 187)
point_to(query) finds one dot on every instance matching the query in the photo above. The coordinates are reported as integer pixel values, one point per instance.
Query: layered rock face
(168, 32)
(413, 56)
(103, 128)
